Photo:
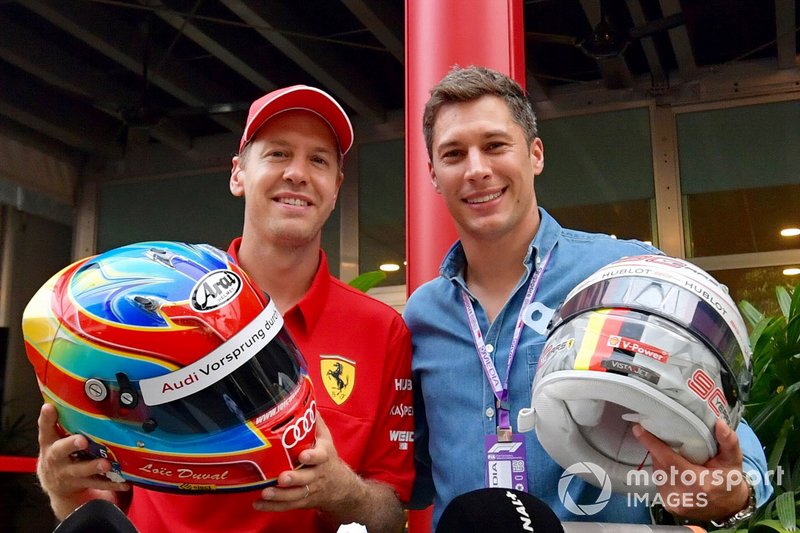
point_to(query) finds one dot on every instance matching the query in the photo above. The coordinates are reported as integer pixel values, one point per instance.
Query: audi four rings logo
(301, 427)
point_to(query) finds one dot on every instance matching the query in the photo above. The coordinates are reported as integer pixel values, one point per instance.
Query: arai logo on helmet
(215, 289)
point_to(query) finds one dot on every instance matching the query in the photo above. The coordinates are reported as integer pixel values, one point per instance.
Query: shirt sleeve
(423, 493)
(391, 446)
(754, 464)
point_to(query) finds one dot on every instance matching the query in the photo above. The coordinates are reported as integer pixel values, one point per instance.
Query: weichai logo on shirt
(401, 437)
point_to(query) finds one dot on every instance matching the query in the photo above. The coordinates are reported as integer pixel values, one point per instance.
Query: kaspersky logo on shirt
(338, 377)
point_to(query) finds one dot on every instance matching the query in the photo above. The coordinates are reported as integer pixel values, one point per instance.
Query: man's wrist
(746, 512)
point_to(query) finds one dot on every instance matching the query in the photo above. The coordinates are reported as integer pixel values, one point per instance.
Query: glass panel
(625, 220)
(741, 221)
(382, 208)
(756, 285)
(598, 173)
(740, 170)
(193, 209)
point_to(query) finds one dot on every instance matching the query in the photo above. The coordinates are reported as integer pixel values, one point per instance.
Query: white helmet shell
(648, 339)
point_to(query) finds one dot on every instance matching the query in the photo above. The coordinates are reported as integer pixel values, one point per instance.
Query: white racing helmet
(648, 339)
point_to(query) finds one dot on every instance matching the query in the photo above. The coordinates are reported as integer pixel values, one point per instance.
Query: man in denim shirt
(480, 133)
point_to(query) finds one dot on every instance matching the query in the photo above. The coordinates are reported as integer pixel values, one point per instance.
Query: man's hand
(715, 490)
(327, 483)
(69, 481)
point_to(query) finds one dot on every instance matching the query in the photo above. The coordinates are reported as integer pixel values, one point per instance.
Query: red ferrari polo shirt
(358, 352)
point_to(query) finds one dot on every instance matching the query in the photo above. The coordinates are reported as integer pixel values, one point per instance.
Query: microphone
(496, 509)
(94, 516)
(511, 511)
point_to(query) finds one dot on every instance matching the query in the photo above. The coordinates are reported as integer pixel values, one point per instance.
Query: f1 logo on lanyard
(505, 452)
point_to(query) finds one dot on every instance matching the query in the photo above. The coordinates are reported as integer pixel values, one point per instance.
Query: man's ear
(236, 183)
(537, 156)
(434, 179)
(339, 181)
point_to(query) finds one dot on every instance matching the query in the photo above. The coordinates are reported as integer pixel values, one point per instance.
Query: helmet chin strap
(594, 412)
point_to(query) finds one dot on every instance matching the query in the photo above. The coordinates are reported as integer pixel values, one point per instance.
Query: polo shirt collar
(455, 262)
(309, 309)
(305, 314)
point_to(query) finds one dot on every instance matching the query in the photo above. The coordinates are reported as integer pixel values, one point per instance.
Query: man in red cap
(289, 170)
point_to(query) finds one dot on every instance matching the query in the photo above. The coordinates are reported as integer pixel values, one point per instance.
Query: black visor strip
(672, 303)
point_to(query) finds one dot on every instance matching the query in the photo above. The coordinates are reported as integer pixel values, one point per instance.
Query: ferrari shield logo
(338, 376)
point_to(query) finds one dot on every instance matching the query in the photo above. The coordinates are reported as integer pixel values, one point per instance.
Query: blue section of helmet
(84, 360)
(235, 439)
(126, 285)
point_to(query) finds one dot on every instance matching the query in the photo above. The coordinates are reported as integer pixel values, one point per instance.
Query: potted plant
(773, 409)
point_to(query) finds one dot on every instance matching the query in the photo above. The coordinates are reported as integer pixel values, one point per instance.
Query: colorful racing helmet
(648, 339)
(175, 367)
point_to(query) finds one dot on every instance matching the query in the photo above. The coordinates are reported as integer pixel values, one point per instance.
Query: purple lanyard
(501, 389)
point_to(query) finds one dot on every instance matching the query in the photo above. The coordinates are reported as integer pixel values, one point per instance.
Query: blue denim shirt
(454, 403)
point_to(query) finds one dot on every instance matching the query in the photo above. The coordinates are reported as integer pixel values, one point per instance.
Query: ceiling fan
(140, 115)
(607, 39)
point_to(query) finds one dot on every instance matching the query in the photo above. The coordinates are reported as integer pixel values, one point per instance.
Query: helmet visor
(253, 371)
(675, 304)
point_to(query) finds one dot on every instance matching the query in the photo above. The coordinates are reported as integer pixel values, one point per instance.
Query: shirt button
(489, 348)
(489, 412)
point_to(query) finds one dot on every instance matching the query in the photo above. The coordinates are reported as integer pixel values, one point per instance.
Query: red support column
(440, 34)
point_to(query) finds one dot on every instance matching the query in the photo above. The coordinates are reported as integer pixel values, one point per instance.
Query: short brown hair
(465, 84)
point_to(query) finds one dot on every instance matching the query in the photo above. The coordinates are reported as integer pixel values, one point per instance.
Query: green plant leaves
(367, 280)
(774, 403)
(780, 444)
(784, 507)
(765, 526)
(784, 300)
(774, 406)
(751, 314)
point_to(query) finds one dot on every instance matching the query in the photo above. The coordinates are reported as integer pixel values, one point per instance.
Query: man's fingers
(661, 452)
(47, 425)
(729, 453)
(320, 452)
(102, 483)
(322, 428)
(62, 449)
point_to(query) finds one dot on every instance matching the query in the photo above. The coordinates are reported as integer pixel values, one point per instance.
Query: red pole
(440, 34)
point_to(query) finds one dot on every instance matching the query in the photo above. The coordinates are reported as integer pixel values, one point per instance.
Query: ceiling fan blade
(136, 137)
(655, 26)
(615, 72)
(553, 38)
(213, 109)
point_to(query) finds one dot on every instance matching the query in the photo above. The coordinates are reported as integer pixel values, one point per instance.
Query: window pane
(740, 170)
(741, 221)
(598, 173)
(193, 209)
(381, 208)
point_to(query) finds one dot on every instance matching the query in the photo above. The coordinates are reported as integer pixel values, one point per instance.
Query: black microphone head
(495, 509)
(94, 516)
